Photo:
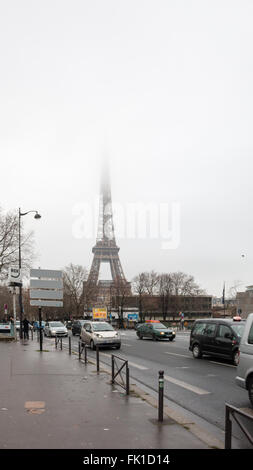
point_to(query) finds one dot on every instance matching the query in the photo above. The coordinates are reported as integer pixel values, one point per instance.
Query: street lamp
(21, 214)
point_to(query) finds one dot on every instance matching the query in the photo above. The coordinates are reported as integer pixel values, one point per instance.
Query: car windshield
(102, 327)
(55, 324)
(238, 329)
(159, 326)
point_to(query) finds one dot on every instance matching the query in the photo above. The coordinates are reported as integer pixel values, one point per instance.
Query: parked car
(217, 337)
(77, 326)
(155, 330)
(55, 328)
(245, 368)
(100, 333)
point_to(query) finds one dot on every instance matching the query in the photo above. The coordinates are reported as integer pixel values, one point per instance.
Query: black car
(217, 337)
(77, 326)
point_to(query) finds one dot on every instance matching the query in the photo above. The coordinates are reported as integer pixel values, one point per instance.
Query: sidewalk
(51, 400)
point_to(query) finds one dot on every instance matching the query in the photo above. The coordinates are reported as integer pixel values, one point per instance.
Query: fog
(164, 89)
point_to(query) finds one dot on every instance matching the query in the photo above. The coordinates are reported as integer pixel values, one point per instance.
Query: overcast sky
(164, 88)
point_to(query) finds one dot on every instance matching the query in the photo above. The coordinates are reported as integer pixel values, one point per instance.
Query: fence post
(69, 344)
(112, 369)
(61, 343)
(85, 353)
(127, 379)
(160, 397)
(228, 429)
(79, 350)
(97, 356)
(55, 342)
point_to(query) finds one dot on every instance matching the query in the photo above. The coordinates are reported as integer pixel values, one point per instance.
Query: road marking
(192, 388)
(180, 355)
(126, 344)
(130, 363)
(221, 364)
(137, 366)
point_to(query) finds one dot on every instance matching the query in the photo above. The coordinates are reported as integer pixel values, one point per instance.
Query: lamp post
(21, 214)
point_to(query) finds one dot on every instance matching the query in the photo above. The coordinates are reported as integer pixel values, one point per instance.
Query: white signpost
(46, 290)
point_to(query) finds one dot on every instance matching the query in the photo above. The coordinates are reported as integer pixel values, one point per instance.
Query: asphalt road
(200, 386)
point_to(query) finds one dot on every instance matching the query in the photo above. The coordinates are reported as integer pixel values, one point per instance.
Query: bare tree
(9, 244)
(139, 287)
(151, 280)
(73, 280)
(165, 291)
(120, 291)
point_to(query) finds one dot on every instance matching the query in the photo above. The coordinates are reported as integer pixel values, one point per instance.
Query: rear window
(238, 328)
(250, 338)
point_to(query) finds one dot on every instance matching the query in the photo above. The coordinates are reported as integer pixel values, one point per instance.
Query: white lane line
(137, 366)
(221, 364)
(192, 388)
(130, 363)
(180, 355)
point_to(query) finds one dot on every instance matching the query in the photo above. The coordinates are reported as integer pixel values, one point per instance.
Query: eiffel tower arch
(106, 249)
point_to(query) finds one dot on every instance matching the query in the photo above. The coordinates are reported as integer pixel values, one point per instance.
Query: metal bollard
(69, 344)
(112, 369)
(97, 356)
(228, 430)
(160, 396)
(85, 353)
(127, 379)
(79, 350)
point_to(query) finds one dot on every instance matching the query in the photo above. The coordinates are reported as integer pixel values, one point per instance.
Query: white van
(245, 367)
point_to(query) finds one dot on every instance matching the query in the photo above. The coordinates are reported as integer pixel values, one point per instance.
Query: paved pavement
(51, 400)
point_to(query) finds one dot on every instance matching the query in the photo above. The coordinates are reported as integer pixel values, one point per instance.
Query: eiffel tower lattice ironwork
(106, 250)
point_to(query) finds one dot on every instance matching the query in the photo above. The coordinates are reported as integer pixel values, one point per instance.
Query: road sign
(14, 277)
(99, 313)
(47, 288)
(46, 303)
(46, 273)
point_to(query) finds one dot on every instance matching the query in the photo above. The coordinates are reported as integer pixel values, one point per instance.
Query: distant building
(244, 302)
(168, 308)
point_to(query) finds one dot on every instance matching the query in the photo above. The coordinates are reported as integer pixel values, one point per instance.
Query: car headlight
(161, 333)
(53, 331)
(173, 332)
(98, 335)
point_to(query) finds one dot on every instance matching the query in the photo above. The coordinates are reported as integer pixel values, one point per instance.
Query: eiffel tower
(106, 250)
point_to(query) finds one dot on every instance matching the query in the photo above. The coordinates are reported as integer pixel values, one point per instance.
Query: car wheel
(196, 351)
(236, 358)
(73, 334)
(171, 339)
(118, 346)
(139, 335)
(250, 391)
(154, 338)
(92, 345)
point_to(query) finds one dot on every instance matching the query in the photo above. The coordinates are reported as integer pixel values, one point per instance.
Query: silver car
(245, 368)
(100, 333)
(55, 328)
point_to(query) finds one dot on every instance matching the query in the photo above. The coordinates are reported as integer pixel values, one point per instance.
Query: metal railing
(235, 413)
(117, 373)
